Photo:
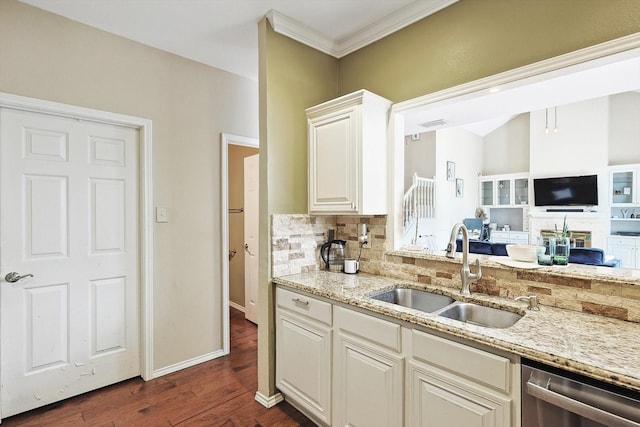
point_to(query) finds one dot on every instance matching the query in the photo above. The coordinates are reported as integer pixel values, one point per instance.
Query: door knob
(13, 277)
(246, 248)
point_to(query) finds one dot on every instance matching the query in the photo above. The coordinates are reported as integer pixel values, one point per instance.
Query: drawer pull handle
(299, 301)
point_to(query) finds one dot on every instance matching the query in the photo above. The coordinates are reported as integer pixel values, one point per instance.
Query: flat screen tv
(566, 191)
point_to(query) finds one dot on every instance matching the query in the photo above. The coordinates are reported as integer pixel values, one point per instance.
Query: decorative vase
(561, 252)
(546, 257)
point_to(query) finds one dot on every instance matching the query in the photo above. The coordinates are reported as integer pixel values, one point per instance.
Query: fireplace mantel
(595, 222)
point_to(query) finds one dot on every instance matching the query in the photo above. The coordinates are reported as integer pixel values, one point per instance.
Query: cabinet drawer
(622, 241)
(520, 238)
(480, 366)
(303, 304)
(500, 236)
(370, 328)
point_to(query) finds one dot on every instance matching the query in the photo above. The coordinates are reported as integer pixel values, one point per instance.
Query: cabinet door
(303, 363)
(368, 385)
(486, 193)
(437, 398)
(521, 190)
(623, 188)
(333, 163)
(626, 250)
(504, 192)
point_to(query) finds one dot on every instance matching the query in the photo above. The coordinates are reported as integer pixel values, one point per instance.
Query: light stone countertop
(600, 347)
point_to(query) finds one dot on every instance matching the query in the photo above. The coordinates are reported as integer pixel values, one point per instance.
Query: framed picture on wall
(451, 171)
(459, 187)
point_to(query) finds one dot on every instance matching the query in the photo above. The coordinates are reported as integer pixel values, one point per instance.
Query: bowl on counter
(525, 253)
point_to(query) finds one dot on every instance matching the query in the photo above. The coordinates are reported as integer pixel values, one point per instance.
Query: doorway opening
(236, 248)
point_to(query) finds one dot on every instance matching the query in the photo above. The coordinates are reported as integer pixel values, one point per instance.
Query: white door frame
(226, 140)
(145, 183)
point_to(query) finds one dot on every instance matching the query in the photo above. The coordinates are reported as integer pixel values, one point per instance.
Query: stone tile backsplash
(296, 242)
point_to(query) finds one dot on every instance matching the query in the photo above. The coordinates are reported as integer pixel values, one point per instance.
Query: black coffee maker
(332, 253)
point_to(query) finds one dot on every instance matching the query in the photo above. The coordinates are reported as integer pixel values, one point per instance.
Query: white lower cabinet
(343, 367)
(438, 398)
(452, 384)
(303, 353)
(627, 249)
(369, 370)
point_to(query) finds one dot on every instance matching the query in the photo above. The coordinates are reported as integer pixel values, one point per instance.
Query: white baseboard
(270, 401)
(236, 306)
(187, 363)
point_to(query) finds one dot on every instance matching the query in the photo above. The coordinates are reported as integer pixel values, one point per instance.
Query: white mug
(351, 266)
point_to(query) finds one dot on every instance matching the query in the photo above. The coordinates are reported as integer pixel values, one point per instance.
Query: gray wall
(624, 128)
(506, 149)
(49, 57)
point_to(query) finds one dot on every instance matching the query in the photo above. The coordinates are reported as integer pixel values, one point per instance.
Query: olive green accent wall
(297, 78)
(292, 77)
(473, 39)
(467, 41)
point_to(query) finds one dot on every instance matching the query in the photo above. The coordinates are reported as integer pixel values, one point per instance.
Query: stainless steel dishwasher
(555, 398)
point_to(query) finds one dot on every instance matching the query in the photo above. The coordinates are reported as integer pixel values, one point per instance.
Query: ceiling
(224, 33)
(481, 113)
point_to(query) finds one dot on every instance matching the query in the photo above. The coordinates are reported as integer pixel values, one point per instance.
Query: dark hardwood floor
(216, 393)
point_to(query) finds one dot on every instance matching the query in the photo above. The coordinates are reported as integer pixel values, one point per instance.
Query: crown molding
(390, 24)
(399, 19)
(298, 31)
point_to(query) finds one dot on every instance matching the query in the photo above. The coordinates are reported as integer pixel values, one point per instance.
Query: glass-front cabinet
(624, 186)
(486, 192)
(624, 182)
(504, 190)
(521, 190)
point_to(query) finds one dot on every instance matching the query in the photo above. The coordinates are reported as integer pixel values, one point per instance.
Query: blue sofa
(484, 247)
(587, 256)
(591, 256)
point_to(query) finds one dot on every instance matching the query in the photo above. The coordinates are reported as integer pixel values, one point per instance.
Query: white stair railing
(419, 200)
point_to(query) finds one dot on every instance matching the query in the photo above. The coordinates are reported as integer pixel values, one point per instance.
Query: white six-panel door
(69, 217)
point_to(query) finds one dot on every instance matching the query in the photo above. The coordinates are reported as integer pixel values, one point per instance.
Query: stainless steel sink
(481, 315)
(415, 298)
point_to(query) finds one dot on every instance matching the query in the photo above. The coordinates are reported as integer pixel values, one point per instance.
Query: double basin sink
(445, 306)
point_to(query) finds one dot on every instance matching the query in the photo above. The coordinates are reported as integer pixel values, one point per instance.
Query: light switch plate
(162, 215)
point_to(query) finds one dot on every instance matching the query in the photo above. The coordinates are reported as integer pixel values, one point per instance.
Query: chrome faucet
(465, 272)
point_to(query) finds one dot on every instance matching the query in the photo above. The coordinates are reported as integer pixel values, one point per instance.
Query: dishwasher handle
(595, 414)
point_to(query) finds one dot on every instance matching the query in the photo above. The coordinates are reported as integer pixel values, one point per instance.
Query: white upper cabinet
(347, 140)
(504, 190)
(624, 185)
(625, 213)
